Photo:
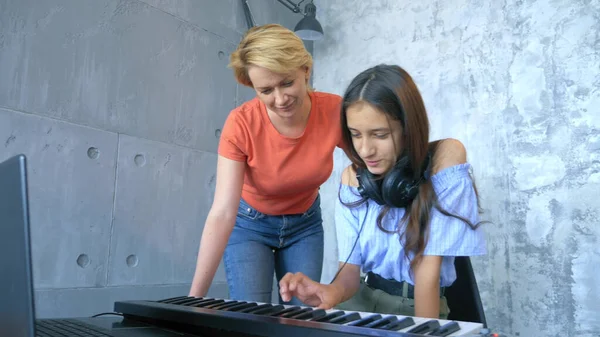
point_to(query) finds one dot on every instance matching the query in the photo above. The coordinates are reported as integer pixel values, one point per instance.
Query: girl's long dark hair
(390, 89)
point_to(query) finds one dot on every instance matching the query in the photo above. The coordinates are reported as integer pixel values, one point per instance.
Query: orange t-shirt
(283, 174)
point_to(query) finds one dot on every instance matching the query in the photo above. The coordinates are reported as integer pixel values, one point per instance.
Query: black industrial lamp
(307, 29)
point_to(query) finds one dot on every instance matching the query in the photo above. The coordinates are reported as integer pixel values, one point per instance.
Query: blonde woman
(274, 152)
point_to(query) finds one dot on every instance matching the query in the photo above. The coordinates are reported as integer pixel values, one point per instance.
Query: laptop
(17, 308)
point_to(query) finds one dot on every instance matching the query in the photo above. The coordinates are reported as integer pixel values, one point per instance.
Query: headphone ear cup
(369, 186)
(398, 189)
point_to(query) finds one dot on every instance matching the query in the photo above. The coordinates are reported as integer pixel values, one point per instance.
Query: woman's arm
(427, 287)
(219, 223)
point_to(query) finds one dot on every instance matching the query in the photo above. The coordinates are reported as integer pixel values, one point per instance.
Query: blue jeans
(261, 245)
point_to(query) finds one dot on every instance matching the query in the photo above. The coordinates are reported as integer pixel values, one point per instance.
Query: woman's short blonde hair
(270, 46)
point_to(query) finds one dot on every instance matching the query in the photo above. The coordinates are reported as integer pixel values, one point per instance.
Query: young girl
(406, 207)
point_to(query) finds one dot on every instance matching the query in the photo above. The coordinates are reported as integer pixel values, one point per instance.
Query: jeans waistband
(393, 287)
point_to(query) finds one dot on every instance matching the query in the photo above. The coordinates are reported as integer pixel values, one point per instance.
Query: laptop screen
(16, 282)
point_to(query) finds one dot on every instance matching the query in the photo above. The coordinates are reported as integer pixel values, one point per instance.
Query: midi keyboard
(222, 317)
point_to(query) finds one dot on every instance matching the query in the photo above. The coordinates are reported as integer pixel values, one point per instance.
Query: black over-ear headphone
(397, 188)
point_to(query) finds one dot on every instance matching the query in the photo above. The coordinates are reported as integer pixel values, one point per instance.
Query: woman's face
(376, 138)
(283, 94)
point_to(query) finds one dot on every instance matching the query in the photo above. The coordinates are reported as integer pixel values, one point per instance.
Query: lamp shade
(309, 28)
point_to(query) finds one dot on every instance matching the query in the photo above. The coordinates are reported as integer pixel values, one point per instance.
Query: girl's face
(376, 138)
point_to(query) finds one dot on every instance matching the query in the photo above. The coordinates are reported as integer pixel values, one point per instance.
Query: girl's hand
(308, 291)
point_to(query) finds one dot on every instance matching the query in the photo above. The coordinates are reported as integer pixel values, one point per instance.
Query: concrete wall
(518, 82)
(118, 106)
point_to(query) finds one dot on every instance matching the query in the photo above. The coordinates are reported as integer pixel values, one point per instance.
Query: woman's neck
(295, 125)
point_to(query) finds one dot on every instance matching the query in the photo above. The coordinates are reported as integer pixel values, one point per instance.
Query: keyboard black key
(346, 318)
(425, 327)
(199, 302)
(172, 299)
(278, 311)
(207, 303)
(186, 301)
(256, 307)
(365, 320)
(399, 325)
(241, 306)
(196, 301)
(446, 329)
(270, 310)
(381, 322)
(311, 314)
(221, 306)
(329, 316)
(294, 313)
(285, 311)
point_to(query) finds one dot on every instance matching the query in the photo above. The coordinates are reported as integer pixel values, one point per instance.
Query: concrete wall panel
(89, 62)
(71, 171)
(164, 193)
(59, 303)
